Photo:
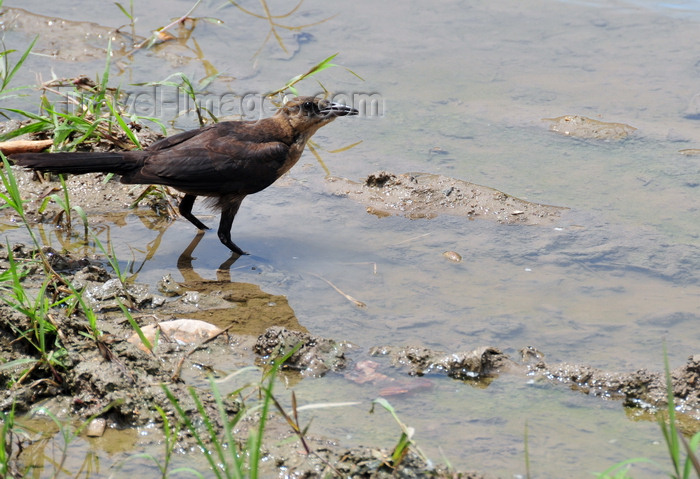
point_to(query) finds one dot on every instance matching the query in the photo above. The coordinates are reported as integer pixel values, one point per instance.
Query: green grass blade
(17, 363)
(135, 326)
(83, 218)
(8, 77)
(185, 418)
(127, 14)
(40, 125)
(669, 431)
(220, 454)
(238, 470)
(614, 470)
(124, 126)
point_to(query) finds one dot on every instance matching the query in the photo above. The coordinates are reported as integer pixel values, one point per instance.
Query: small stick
(21, 146)
(358, 303)
(411, 239)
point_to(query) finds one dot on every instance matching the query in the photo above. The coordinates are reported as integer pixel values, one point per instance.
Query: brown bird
(224, 162)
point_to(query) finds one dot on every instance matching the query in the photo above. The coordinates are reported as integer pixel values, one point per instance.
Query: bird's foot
(231, 245)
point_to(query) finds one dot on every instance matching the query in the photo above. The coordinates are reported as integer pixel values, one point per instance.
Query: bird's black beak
(337, 109)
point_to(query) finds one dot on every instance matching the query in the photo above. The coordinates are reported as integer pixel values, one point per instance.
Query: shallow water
(606, 287)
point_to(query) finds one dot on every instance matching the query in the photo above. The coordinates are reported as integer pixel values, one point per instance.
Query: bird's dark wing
(218, 167)
(177, 139)
(242, 130)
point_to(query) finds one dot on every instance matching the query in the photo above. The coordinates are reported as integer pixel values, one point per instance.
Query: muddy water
(464, 89)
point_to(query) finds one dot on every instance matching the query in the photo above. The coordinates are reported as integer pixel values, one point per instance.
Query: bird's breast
(291, 158)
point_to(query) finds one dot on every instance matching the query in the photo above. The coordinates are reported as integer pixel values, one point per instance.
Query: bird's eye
(308, 106)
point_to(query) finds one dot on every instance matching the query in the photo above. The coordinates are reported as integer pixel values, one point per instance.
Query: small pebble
(436, 150)
(96, 428)
(452, 256)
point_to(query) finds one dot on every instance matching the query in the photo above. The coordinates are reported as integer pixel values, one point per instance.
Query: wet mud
(581, 127)
(108, 372)
(639, 389)
(424, 195)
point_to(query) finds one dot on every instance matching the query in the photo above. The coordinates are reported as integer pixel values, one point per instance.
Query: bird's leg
(185, 209)
(228, 213)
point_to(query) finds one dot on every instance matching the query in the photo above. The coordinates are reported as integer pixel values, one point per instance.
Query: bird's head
(307, 114)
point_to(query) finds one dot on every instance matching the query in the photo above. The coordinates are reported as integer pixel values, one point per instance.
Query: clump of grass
(405, 442)
(13, 198)
(171, 432)
(97, 113)
(226, 459)
(214, 431)
(42, 334)
(65, 213)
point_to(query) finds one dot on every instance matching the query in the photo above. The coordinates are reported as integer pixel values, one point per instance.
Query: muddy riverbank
(105, 368)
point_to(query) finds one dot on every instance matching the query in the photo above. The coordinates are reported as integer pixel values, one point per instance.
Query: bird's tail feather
(78, 163)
